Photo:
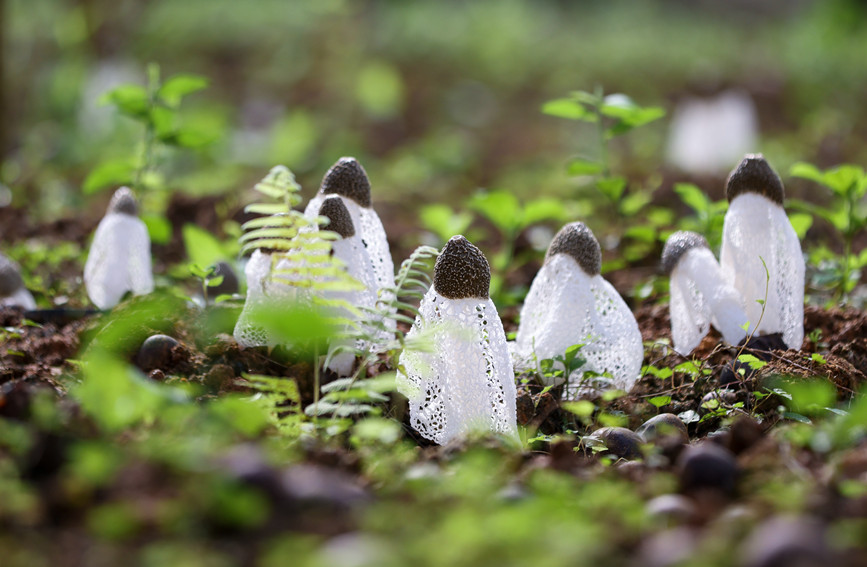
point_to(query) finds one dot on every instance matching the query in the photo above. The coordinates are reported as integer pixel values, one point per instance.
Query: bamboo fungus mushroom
(348, 180)
(120, 255)
(756, 229)
(570, 303)
(700, 295)
(466, 383)
(352, 252)
(12, 290)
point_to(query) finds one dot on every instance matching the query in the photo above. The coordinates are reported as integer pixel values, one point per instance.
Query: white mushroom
(466, 383)
(263, 292)
(756, 228)
(700, 295)
(12, 290)
(569, 303)
(348, 180)
(120, 255)
(352, 252)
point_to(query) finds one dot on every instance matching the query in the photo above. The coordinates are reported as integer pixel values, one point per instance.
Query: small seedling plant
(838, 273)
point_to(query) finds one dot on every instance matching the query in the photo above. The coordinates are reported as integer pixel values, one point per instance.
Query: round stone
(347, 178)
(578, 241)
(663, 426)
(156, 353)
(672, 509)
(707, 467)
(787, 542)
(679, 244)
(754, 175)
(461, 271)
(620, 441)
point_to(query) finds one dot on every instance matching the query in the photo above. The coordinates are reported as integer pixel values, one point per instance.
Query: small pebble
(707, 467)
(667, 548)
(745, 432)
(672, 509)
(156, 352)
(787, 542)
(663, 427)
(620, 441)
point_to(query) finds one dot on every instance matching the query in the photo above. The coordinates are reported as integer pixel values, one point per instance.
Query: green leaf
(660, 401)
(201, 246)
(443, 221)
(570, 109)
(544, 208)
(499, 207)
(816, 357)
(801, 222)
(580, 166)
(612, 187)
(159, 227)
(117, 395)
(754, 363)
(131, 100)
(109, 174)
(693, 197)
(581, 408)
(177, 87)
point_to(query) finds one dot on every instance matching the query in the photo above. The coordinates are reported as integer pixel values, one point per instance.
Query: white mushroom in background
(348, 180)
(569, 303)
(352, 252)
(700, 295)
(466, 383)
(120, 255)
(756, 227)
(707, 134)
(12, 290)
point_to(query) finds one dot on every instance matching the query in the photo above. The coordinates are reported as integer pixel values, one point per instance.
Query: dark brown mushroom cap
(461, 271)
(123, 201)
(677, 245)
(347, 178)
(754, 175)
(576, 240)
(335, 211)
(10, 278)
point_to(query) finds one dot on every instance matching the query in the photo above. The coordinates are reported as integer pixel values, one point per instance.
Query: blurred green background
(436, 99)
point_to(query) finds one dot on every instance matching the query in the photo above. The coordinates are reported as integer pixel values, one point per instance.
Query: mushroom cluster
(570, 303)
(757, 288)
(465, 382)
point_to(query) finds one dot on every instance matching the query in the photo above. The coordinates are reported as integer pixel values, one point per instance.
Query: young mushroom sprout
(569, 303)
(12, 290)
(466, 382)
(757, 230)
(348, 180)
(120, 255)
(700, 295)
